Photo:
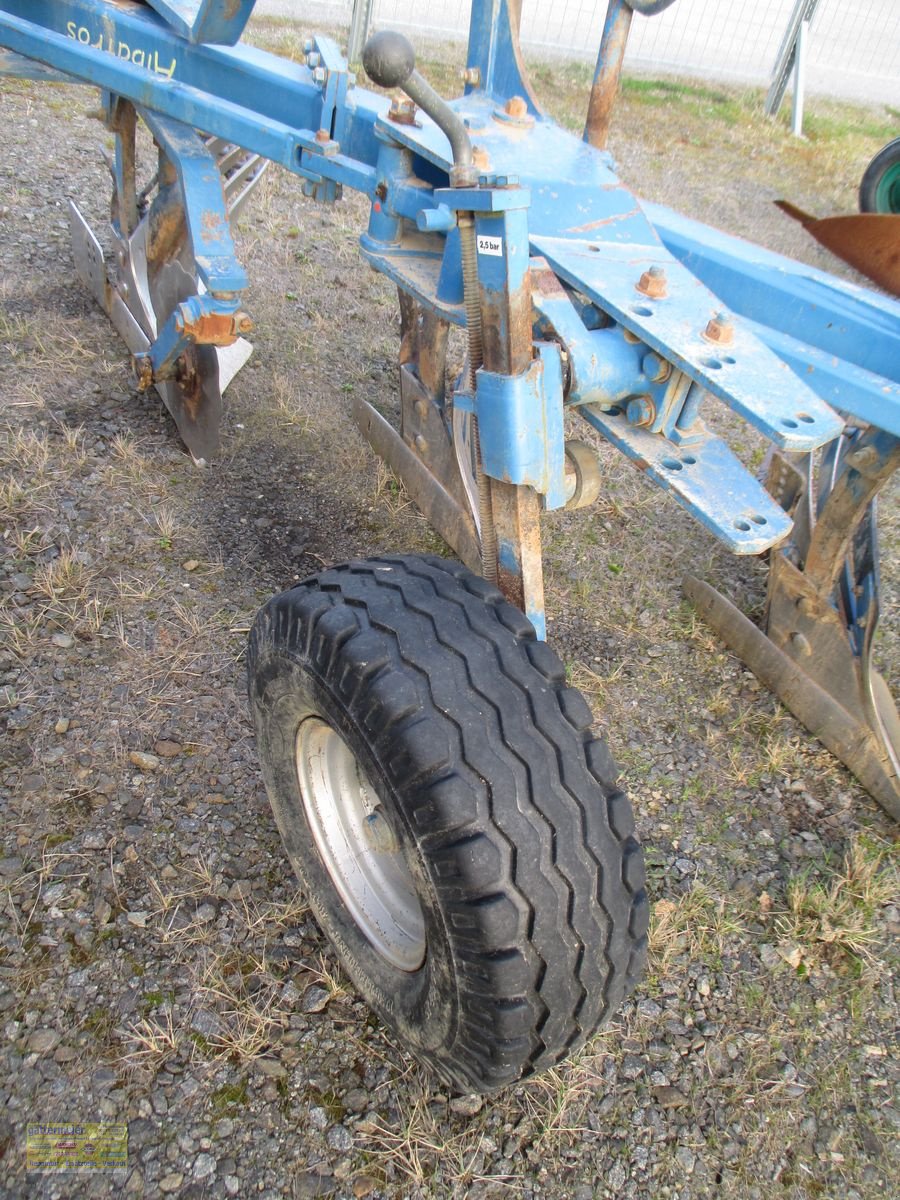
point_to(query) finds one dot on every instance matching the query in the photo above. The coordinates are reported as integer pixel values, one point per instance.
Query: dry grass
(696, 924)
(833, 917)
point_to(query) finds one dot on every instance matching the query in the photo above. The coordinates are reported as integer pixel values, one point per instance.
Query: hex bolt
(313, 60)
(421, 406)
(516, 107)
(323, 136)
(421, 443)
(319, 75)
(720, 330)
(243, 322)
(471, 76)
(640, 410)
(655, 368)
(653, 283)
(308, 44)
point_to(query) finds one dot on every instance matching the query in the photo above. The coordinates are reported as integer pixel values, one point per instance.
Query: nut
(471, 76)
(653, 283)
(720, 330)
(402, 111)
(516, 107)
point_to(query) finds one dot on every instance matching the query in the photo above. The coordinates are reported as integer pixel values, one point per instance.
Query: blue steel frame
(638, 315)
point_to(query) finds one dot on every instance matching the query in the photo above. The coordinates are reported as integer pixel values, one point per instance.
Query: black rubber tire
(522, 848)
(879, 191)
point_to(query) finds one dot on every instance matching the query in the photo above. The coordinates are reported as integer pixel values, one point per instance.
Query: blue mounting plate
(705, 478)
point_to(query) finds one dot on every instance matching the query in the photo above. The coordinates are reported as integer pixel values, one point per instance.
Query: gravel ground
(158, 966)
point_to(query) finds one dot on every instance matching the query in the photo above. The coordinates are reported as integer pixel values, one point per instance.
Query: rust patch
(214, 225)
(216, 329)
(632, 212)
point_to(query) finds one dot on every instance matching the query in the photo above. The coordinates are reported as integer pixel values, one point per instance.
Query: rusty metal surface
(436, 504)
(423, 430)
(853, 492)
(870, 242)
(837, 729)
(215, 328)
(606, 78)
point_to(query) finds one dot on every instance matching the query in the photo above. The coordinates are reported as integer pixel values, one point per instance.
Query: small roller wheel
(455, 825)
(879, 191)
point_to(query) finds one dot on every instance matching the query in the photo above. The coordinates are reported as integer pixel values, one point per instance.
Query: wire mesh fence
(854, 45)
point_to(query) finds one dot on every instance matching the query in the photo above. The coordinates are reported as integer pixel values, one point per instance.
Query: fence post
(801, 16)
(360, 20)
(799, 79)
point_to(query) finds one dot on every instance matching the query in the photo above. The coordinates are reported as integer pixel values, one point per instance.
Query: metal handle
(390, 61)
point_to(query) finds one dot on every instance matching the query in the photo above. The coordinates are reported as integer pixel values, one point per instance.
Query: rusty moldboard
(837, 729)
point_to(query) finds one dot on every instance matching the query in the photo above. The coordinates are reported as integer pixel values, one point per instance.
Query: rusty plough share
(485, 894)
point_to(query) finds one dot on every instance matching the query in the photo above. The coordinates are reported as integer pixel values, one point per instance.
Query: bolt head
(320, 75)
(471, 76)
(402, 111)
(640, 411)
(517, 107)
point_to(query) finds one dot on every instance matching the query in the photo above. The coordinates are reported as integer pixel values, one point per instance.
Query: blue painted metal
(520, 423)
(706, 478)
(494, 53)
(556, 214)
(206, 20)
(843, 340)
(204, 204)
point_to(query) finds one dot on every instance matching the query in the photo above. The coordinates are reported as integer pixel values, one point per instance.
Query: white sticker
(490, 245)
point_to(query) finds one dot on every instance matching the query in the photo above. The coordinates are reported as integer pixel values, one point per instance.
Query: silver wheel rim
(358, 846)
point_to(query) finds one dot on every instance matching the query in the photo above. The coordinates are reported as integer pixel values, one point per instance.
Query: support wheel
(879, 191)
(455, 825)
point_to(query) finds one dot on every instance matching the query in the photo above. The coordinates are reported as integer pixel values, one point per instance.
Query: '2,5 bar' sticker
(490, 245)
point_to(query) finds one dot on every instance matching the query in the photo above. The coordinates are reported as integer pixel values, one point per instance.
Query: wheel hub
(358, 845)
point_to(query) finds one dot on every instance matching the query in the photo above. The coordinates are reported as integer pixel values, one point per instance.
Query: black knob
(389, 59)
